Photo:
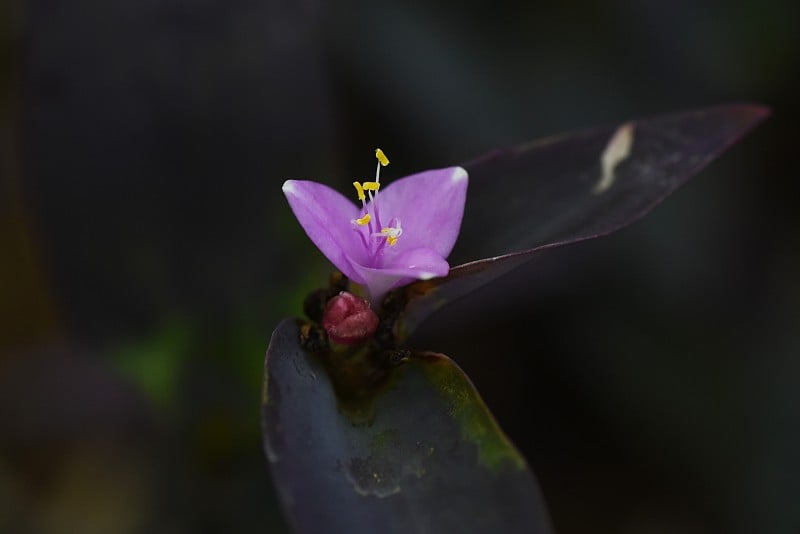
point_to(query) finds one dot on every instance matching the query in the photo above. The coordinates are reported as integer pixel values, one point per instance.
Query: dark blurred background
(652, 378)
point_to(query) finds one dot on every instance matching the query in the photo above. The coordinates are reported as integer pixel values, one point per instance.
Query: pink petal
(430, 206)
(422, 263)
(325, 215)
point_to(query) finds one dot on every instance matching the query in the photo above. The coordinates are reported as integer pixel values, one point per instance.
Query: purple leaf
(570, 188)
(428, 456)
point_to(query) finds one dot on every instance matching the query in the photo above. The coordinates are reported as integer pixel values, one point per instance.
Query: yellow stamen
(391, 235)
(371, 186)
(363, 220)
(359, 190)
(381, 157)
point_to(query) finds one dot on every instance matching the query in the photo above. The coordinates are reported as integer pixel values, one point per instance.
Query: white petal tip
(426, 276)
(459, 174)
(288, 187)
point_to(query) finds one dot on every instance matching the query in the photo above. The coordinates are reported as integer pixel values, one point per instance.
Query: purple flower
(400, 233)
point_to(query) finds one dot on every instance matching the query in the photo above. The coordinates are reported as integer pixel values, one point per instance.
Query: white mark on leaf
(617, 150)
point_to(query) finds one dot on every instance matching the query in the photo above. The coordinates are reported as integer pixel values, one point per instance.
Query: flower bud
(348, 319)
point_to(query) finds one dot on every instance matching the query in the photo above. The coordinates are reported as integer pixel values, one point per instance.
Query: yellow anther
(359, 190)
(363, 220)
(391, 235)
(381, 157)
(371, 186)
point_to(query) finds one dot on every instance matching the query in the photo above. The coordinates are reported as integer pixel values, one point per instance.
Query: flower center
(378, 235)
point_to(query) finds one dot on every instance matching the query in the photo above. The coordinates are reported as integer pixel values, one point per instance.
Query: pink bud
(348, 319)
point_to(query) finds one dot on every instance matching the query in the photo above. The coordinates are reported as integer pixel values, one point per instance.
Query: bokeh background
(651, 378)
